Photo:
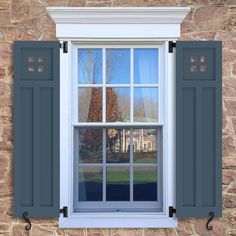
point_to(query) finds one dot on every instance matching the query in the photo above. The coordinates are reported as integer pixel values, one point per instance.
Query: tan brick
(19, 230)
(229, 162)
(198, 36)
(125, 232)
(228, 55)
(20, 11)
(41, 231)
(6, 214)
(4, 17)
(203, 2)
(77, 3)
(187, 27)
(4, 227)
(203, 17)
(6, 113)
(218, 228)
(2, 73)
(229, 88)
(5, 54)
(229, 216)
(228, 146)
(18, 34)
(228, 176)
(99, 4)
(184, 227)
(230, 105)
(162, 3)
(98, 232)
(159, 232)
(4, 5)
(75, 232)
(229, 201)
(130, 3)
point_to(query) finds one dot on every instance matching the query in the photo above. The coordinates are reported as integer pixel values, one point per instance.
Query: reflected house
(143, 140)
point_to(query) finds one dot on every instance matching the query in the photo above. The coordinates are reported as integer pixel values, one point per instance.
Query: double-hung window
(117, 124)
(118, 128)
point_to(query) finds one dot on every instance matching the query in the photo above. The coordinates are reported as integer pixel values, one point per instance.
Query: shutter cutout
(36, 128)
(198, 129)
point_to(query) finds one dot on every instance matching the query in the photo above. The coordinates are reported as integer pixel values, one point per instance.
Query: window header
(118, 22)
(118, 15)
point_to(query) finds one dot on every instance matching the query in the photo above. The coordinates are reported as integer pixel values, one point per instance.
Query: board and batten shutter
(198, 128)
(36, 128)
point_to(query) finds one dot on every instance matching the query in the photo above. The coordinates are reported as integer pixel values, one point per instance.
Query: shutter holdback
(26, 218)
(211, 214)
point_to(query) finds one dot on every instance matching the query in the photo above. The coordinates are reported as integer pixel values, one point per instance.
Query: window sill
(130, 220)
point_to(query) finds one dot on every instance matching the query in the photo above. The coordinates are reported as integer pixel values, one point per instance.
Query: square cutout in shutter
(31, 68)
(198, 64)
(37, 64)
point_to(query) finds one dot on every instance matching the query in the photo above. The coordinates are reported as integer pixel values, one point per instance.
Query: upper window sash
(104, 85)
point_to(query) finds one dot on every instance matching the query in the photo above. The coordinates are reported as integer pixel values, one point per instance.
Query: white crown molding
(118, 15)
(78, 23)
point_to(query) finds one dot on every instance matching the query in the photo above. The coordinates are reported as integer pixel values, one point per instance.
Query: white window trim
(149, 25)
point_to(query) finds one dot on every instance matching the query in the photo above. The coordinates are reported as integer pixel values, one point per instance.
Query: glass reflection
(118, 186)
(118, 66)
(90, 184)
(145, 184)
(118, 146)
(89, 66)
(145, 104)
(90, 145)
(117, 104)
(90, 104)
(145, 145)
(146, 66)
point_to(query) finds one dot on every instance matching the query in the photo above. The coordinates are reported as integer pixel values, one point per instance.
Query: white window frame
(137, 25)
(131, 124)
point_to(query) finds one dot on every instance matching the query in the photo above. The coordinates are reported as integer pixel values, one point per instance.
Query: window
(118, 91)
(137, 143)
(117, 126)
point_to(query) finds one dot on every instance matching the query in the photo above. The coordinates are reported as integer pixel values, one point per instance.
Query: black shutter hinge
(64, 211)
(64, 45)
(171, 46)
(172, 211)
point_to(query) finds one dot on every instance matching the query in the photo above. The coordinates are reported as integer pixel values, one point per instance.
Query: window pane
(90, 66)
(145, 184)
(118, 66)
(90, 104)
(145, 145)
(90, 184)
(117, 104)
(145, 104)
(89, 142)
(118, 145)
(118, 187)
(146, 66)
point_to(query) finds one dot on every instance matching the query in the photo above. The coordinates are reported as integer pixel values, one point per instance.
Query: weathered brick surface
(208, 20)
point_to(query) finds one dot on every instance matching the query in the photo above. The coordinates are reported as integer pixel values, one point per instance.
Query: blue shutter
(36, 128)
(198, 128)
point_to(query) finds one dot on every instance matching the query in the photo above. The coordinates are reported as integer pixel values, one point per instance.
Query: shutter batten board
(36, 128)
(198, 128)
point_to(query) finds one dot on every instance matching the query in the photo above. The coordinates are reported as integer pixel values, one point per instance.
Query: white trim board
(118, 22)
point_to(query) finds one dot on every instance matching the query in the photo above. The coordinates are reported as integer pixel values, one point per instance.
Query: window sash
(132, 86)
(121, 205)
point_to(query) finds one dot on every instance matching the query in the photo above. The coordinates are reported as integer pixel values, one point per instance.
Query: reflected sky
(146, 66)
(145, 104)
(118, 72)
(89, 66)
(118, 66)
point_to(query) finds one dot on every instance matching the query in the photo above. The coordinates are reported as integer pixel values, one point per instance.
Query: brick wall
(208, 20)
